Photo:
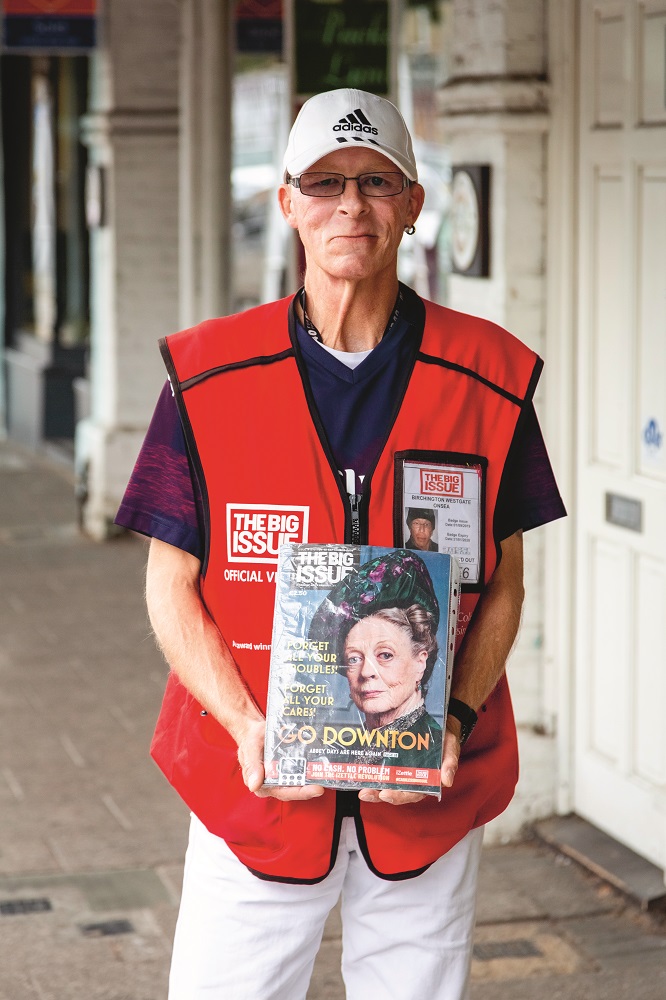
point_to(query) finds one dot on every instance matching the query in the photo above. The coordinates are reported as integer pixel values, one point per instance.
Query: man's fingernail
(448, 777)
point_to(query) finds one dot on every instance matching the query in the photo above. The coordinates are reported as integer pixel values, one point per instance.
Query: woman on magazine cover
(383, 621)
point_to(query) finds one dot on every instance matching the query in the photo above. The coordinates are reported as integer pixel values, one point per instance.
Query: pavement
(92, 837)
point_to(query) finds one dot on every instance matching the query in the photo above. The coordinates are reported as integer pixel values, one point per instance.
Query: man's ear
(286, 204)
(416, 199)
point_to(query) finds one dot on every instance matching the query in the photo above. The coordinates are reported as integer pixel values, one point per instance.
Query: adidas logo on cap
(355, 122)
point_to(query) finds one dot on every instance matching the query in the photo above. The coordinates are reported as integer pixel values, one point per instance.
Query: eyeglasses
(317, 184)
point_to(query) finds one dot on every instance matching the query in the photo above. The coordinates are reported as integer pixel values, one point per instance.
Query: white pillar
(3, 414)
(495, 110)
(206, 78)
(132, 136)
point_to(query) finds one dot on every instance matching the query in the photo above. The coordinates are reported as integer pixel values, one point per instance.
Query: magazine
(361, 664)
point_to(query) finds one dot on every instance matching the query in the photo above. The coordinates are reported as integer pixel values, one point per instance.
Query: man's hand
(390, 795)
(451, 754)
(251, 760)
(394, 797)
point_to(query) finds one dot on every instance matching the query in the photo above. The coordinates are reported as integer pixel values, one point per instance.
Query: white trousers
(239, 937)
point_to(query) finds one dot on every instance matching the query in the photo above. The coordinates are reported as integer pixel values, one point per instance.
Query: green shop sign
(341, 43)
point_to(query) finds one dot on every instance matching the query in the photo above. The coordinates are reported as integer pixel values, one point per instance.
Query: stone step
(605, 857)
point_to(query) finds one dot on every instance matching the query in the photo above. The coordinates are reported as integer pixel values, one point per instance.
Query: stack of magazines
(361, 664)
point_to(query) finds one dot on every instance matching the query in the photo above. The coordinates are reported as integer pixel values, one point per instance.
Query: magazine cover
(361, 663)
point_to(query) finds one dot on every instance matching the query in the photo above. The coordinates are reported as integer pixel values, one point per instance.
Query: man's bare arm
(480, 661)
(196, 651)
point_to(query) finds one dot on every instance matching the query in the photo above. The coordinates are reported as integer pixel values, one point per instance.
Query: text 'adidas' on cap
(340, 119)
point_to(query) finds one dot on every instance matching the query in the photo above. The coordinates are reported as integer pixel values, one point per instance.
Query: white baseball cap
(341, 119)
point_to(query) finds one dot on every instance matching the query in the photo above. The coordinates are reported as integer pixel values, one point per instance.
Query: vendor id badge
(441, 502)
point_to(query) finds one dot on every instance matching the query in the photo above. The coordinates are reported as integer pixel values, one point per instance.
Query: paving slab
(524, 950)
(612, 939)
(101, 891)
(525, 881)
(587, 986)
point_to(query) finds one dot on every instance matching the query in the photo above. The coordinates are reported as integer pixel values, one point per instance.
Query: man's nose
(351, 199)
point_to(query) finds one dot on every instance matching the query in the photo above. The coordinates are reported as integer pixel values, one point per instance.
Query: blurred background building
(140, 157)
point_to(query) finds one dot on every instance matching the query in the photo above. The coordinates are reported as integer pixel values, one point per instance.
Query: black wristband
(465, 715)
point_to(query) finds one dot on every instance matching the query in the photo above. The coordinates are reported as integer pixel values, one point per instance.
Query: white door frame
(560, 396)
(564, 299)
(620, 573)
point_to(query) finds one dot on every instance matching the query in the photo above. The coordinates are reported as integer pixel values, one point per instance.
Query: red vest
(266, 476)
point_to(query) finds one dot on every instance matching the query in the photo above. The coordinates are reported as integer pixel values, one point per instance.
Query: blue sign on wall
(49, 25)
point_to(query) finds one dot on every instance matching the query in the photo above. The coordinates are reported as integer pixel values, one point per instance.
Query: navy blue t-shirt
(355, 407)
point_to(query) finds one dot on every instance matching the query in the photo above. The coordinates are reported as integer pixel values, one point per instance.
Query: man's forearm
(191, 642)
(197, 652)
(481, 659)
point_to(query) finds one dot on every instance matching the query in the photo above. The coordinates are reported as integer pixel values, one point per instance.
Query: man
(310, 419)
(421, 524)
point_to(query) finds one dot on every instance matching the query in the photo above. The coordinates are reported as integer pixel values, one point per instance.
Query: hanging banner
(341, 43)
(259, 26)
(65, 26)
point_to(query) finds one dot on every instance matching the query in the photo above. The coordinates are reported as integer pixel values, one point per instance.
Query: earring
(410, 230)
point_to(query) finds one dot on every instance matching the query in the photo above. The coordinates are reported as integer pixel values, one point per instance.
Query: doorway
(620, 676)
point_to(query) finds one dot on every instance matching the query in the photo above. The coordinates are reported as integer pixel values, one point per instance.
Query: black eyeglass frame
(296, 182)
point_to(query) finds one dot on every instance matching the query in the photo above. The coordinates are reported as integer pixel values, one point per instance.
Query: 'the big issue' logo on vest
(256, 531)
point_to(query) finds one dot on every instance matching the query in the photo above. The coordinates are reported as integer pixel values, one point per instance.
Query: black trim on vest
(529, 395)
(191, 444)
(363, 844)
(340, 813)
(532, 384)
(430, 359)
(261, 359)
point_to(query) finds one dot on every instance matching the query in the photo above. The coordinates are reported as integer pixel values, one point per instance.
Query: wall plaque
(625, 512)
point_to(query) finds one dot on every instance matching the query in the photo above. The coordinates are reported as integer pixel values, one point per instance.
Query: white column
(132, 136)
(206, 65)
(495, 110)
(3, 415)
(559, 408)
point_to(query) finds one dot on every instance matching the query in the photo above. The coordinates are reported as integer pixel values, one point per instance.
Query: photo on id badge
(440, 498)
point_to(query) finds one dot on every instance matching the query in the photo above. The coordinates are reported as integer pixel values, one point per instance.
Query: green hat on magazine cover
(396, 579)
